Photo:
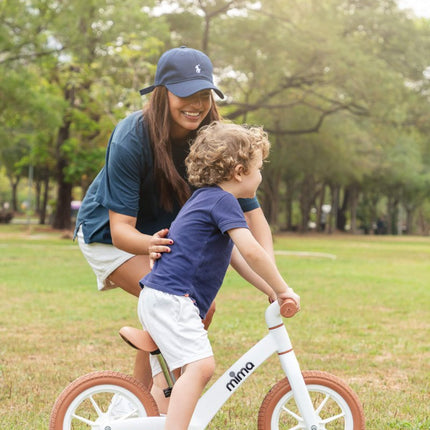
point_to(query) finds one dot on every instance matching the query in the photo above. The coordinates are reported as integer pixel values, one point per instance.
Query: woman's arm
(260, 229)
(125, 236)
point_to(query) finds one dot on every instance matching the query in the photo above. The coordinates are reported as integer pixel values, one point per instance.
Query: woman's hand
(157, 245)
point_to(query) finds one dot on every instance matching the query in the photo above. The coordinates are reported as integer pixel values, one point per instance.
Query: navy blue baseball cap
(184, 71)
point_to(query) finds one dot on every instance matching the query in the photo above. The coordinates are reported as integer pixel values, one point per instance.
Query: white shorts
(175, 326)
(103, 259)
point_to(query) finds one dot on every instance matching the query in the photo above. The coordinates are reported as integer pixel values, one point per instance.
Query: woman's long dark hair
(157, 117)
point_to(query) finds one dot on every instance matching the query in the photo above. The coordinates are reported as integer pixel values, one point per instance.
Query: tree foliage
(342, 86)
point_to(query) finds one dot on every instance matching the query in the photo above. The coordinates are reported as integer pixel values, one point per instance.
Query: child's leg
(187, 391)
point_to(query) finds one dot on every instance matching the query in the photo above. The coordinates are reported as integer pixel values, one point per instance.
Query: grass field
(365, 317)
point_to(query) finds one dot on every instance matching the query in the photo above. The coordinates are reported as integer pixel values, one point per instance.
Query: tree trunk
(205, 39)
(334, 189)
(62, 215)
(44, 201)
(410, 212)
(393, 213)
(423, 223)
(14, 191)
(353, 208)
(271, 198)
(289, 194)
(341, 213)
(374, 214)
(38, 187)
(306, 200)
(321, 224)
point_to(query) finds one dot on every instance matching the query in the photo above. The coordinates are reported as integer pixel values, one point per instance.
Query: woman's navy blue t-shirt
(125, 185)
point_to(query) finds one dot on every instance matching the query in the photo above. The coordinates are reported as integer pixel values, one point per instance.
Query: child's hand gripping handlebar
(289, 308)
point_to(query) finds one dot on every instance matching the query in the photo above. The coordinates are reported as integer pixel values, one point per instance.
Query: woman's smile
(188, 112)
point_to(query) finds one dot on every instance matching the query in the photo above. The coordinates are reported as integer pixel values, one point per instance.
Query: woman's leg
(127, 276)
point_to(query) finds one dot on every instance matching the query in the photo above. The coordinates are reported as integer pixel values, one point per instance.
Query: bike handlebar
(289, 308)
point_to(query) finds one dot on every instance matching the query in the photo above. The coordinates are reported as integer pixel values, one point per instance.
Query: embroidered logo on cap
(198, 69)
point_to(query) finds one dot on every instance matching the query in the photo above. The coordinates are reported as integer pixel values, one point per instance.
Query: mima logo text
(237, 377)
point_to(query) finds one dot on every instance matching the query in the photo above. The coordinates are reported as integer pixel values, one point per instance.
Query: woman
(124, 217)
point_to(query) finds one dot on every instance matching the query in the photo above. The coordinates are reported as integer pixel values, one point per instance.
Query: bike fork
(301, 395)
(291, 367)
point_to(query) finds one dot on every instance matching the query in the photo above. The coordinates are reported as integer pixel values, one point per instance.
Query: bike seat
(139, 339)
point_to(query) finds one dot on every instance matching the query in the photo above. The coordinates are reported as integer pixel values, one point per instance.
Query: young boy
(225, 164)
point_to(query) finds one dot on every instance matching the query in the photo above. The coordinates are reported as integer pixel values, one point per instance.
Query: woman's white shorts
(103, 259)
(175, 326)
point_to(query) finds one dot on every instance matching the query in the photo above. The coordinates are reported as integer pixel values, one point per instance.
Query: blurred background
(341, 86)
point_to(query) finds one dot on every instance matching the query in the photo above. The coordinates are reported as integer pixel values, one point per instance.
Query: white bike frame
(277, 340)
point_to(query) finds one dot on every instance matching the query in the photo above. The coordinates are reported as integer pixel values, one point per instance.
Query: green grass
(365, 317)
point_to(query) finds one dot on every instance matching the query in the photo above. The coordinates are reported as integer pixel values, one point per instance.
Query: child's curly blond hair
(219, 148)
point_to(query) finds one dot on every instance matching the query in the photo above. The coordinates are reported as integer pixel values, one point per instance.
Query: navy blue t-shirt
(201, 251)
(125, 185)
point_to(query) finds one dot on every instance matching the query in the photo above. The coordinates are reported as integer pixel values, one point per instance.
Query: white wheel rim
(329, 396)
(89, 393)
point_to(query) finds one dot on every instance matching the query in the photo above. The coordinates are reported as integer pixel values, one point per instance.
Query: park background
(342, 87)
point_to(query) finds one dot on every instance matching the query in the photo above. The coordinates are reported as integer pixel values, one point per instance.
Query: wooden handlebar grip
(289, 308)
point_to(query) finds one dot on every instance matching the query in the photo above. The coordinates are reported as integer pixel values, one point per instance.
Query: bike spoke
(128, 414)
(96, 406)
(322, 404)
(333, 418)
(84, 420)
(292, 414)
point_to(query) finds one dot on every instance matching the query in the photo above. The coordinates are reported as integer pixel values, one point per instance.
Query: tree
(341, 86)
(94, 69)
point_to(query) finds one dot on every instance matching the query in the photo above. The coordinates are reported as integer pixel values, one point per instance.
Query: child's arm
(261, 263)
(241, 266)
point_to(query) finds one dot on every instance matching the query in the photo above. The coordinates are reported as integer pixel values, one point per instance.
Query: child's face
(252, 179)
(188, 112)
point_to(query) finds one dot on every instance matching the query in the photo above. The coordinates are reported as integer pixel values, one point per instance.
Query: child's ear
(238, 172)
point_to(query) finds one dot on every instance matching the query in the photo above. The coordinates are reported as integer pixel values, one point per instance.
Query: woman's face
(188, 112)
